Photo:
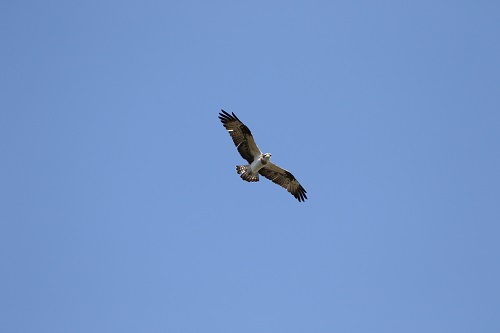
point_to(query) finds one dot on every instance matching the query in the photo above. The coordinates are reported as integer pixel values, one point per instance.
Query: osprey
(259, 163)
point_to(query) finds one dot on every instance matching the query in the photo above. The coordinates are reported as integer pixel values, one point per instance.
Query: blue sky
(121, 209)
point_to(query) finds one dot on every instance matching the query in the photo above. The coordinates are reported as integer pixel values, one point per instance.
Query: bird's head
(266, 157)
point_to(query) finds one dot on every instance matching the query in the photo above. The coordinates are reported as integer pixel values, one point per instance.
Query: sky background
(121, 210)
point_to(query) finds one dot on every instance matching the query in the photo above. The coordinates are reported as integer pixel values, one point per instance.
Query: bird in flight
(259, 163)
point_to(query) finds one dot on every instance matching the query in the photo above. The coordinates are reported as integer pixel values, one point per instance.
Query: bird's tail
(246, 173)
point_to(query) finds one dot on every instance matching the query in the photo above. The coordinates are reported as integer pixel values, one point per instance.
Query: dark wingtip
(235, 116)
(300, 194)
(226, 117)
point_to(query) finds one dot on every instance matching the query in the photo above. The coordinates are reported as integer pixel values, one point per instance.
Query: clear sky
(121, 210)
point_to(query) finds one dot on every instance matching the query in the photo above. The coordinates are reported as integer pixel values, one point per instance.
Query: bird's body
(259, 163)
(250, 172)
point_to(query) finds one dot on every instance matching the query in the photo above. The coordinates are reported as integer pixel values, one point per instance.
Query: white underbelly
(256, 165)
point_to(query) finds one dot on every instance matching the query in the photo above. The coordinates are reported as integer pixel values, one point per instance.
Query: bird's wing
(241, 135)
(285, 179)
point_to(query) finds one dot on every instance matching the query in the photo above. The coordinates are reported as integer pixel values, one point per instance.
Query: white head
(266, 157)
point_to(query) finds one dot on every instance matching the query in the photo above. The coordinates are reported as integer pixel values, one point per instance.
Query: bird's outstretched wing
(241, 135)
(285, 179)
